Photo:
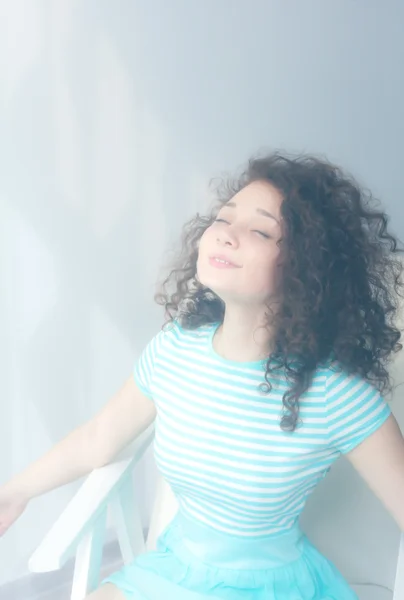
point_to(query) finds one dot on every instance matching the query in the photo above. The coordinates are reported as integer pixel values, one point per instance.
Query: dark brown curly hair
(341, 276)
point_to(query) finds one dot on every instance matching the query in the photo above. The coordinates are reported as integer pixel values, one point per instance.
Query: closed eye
(262, 233)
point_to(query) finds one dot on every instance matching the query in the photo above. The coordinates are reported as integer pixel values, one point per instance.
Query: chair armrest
(85, 509)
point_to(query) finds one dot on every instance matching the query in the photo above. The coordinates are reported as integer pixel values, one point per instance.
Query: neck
(243, 336)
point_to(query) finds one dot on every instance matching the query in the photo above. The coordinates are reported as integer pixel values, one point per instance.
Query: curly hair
(341, 276)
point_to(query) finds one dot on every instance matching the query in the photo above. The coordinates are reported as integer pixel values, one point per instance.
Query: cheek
(202, 246)
(264, 272)
(206, 243)
(203, 251)
(205, 239)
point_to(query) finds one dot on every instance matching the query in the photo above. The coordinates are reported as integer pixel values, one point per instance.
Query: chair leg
(399, 583)
(88, 560)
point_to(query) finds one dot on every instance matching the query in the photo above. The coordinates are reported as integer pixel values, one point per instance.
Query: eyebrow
(260, 211)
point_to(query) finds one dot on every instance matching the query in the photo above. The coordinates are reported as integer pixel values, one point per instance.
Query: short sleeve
(146, 363)
(355, 409)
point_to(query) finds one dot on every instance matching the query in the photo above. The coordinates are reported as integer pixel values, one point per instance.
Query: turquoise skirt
(195, 562)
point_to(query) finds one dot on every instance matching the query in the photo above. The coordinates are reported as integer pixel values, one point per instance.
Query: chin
(215, 281)
(204, 276)
(209, 279)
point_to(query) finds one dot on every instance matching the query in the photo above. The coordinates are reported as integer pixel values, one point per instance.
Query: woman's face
(238, 253)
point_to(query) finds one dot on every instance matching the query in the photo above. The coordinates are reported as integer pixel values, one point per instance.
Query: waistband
(190, 538)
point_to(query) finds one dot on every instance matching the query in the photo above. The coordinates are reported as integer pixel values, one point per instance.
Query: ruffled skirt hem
(173, 572)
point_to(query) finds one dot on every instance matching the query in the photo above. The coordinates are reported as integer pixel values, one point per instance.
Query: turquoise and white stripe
(218, 438)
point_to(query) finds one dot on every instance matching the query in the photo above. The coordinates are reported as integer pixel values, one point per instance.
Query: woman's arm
(92, 445)
(379, 459)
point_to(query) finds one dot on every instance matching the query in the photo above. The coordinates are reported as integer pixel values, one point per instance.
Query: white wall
(113, 117)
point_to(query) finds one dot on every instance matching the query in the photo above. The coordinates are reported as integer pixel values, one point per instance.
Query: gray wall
(114, 115)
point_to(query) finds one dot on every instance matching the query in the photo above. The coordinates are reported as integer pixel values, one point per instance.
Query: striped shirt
(218, 438)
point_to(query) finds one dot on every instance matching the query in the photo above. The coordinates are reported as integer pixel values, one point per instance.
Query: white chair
(80, 530)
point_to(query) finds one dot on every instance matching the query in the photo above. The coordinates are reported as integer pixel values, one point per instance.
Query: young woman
(272, 363)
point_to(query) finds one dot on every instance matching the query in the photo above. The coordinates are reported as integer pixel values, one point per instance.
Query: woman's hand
(12, 505)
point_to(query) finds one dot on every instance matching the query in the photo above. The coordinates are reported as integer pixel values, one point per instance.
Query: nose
(227, 237)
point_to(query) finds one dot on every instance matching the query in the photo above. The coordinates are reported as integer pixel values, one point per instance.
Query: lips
(221, 257)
